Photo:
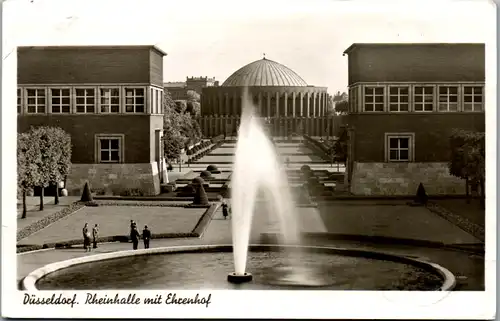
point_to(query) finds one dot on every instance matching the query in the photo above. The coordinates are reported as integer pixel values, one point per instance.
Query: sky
(215, 38)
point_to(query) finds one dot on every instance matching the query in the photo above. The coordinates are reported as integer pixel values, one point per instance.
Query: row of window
(104, 100)
(398, 98)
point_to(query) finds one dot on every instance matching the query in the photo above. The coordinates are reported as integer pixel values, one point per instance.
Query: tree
(339, 147)
(342, 107)
(193, 96)
(28, 158)
(55, 152)
(467, 159)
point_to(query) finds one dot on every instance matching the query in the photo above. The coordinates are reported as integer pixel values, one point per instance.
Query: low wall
(113, 178)
(404, 178)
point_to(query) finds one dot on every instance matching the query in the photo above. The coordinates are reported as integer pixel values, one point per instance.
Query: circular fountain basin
(272, 267)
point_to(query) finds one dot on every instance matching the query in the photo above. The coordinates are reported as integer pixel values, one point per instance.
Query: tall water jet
(257, 166)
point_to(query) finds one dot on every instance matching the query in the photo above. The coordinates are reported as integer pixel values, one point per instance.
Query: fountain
(257, 166)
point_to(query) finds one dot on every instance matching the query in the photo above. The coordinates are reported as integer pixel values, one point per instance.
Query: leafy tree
(342, 107)
(467, 158)
(55, 152)
(193, 108)
(28, 158)
(193, 96)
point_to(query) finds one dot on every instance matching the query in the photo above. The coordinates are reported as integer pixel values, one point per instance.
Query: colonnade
(276, 102)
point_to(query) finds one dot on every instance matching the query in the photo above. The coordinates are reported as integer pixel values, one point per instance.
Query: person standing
(146, 236)
(95, 235)
(132, 225)
(225, 212)
(86, 237)
(134, 235)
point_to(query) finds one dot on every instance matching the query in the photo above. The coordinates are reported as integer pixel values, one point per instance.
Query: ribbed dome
(264, 72)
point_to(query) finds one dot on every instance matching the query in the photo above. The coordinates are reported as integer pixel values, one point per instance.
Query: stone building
(108, 98)
(405, 100)
(179, 89)
(280, 96)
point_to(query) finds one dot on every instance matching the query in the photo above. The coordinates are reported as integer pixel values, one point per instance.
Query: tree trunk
(56, 198)
(24, 204)
(41, 199)
(467, 194)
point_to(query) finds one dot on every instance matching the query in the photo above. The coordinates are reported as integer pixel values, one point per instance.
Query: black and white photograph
(249, 159)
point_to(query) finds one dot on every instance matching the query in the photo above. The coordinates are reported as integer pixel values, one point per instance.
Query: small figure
(146, 236)
(95, 235)
(86, 237)
(134, 235)
(225, 212)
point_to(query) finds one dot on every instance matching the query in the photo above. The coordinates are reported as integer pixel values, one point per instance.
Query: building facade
(278, 94)
(108, 98)
(179, 89)
(405, 101)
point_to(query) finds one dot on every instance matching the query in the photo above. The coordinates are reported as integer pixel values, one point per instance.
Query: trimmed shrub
(421, 197)
(198, 181)
(170, 167)
(206, 175)
(86, 195)
(200, 197)
(212, 168)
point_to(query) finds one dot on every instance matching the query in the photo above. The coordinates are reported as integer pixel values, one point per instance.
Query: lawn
(472, 212)
(391, 220)
(115, 220)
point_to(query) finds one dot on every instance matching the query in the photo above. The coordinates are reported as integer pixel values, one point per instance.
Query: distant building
(279, 94)
(108, 98)
(405, 100)
(179, 89)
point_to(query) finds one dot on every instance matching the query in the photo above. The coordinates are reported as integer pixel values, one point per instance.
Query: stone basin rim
(28, 283)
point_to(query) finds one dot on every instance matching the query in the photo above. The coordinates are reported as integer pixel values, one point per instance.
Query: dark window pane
(418, 107)
(379, 91)
(453, 107)
(443, 99)
(443, 90)
(104, 156)
(140, 109)
(467, 90)
(468, 99)
(478, 99)
(393, 107)
(368, 107)
(403, 107)
(453, 99)
(115, 155)
(393, 90)
(418, 90)
(55, 101)
(41, 109)
(379, 107)
(478, 107)
(443, 107)
(403, 90)
(428, 98)
(31, 109)
(114, 109)
(139, 92)
(393, 154)
(129, 101)
(129, 93)
(393, 142)
(129, 109)
(104, 143)
(31, 101)
(428, 107)
(453, 90)
(115, 100)
(80, 109)
(90, 101)
(104, 109)
(65, 101)
(369, 99)
(379, 99)
(114, 144)
(80, 100)
(65, 109)
(403, 142)
(468, 107)
(65, 92)
(403, 98)
(403, 154)
(140, 101)
(478, 90)
(429, 90)
(90, 109)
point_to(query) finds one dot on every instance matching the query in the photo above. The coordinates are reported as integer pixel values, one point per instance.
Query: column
(235, 108)
(226, 100)
(301, 104)
(260, 105)
(286, 104)
(268, 104)
(277, 112)
(308, 103)
(320, 112)
(294, 96)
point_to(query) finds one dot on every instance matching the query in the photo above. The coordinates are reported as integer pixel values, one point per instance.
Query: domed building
(279, 94)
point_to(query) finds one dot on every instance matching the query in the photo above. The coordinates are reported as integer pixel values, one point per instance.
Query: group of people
(135, 236)
(89, 236)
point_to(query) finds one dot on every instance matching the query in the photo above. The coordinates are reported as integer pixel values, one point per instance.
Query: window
(398, 98)
(473, 98)
(61, 100)
(448, 98)
(153, 100)
(374, 98)
(35, 99)
(399, 147)
(19, 100)
(424, 98)
(110, 148)
(110, 100)
(160, 102)
(134, 100)
(85, 100)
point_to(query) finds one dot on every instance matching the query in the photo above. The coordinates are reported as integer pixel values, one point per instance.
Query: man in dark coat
(134, 236)
(146, 236)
